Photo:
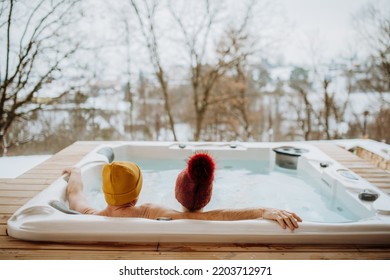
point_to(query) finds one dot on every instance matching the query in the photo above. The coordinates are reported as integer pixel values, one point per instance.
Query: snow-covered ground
(378, 148)
(12, 167)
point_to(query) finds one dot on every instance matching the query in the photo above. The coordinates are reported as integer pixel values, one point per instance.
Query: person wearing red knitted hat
(194, 184)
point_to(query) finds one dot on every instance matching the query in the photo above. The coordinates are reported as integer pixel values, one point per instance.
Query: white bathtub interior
(246, 176)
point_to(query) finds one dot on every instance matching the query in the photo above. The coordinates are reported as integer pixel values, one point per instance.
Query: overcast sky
(327, 22)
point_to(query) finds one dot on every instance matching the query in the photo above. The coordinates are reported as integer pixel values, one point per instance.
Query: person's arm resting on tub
(74, 192)
(284, 218)
(78, 202)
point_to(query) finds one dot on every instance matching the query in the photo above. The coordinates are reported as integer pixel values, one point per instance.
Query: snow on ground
(375, 147)
(12, 167)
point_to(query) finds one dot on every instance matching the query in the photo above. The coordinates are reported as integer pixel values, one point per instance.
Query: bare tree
(328, 104)
(334, 105)
(242, 102)
(35, 47)
(231, 52)
(148, 27)
(230, 104)
(299, 81)
(196, 43)
(128, 87)
(380, 128)
(373, 24)
(321, 105)
(123, 43)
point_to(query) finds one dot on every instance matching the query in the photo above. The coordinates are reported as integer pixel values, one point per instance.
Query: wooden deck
(15, 192)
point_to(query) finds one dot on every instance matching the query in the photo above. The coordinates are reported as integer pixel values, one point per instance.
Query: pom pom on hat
(194, 184)
(122, 182)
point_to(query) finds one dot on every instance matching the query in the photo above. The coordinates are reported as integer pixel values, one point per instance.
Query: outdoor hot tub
(337, 206)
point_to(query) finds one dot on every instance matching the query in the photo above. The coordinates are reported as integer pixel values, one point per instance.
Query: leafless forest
(183, 71)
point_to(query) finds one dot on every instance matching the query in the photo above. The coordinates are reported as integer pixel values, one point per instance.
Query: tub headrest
(122, 182)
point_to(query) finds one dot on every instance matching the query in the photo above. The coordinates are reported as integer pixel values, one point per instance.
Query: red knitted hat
(194, 184)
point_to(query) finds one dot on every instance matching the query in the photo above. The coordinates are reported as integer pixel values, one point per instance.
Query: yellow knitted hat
(122, 182)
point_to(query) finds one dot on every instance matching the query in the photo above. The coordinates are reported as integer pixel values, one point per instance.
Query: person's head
(122, 183)
(194, 184)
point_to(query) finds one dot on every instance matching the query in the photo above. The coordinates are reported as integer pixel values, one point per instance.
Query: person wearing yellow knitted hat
(122, 182)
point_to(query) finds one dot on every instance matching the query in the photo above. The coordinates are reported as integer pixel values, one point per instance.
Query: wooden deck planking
(15, 192)
(376, 176)
(147, 255)
(13, 200)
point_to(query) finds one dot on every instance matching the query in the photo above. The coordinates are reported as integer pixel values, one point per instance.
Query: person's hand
(74, 180)
(70, 169)
(283, 217)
